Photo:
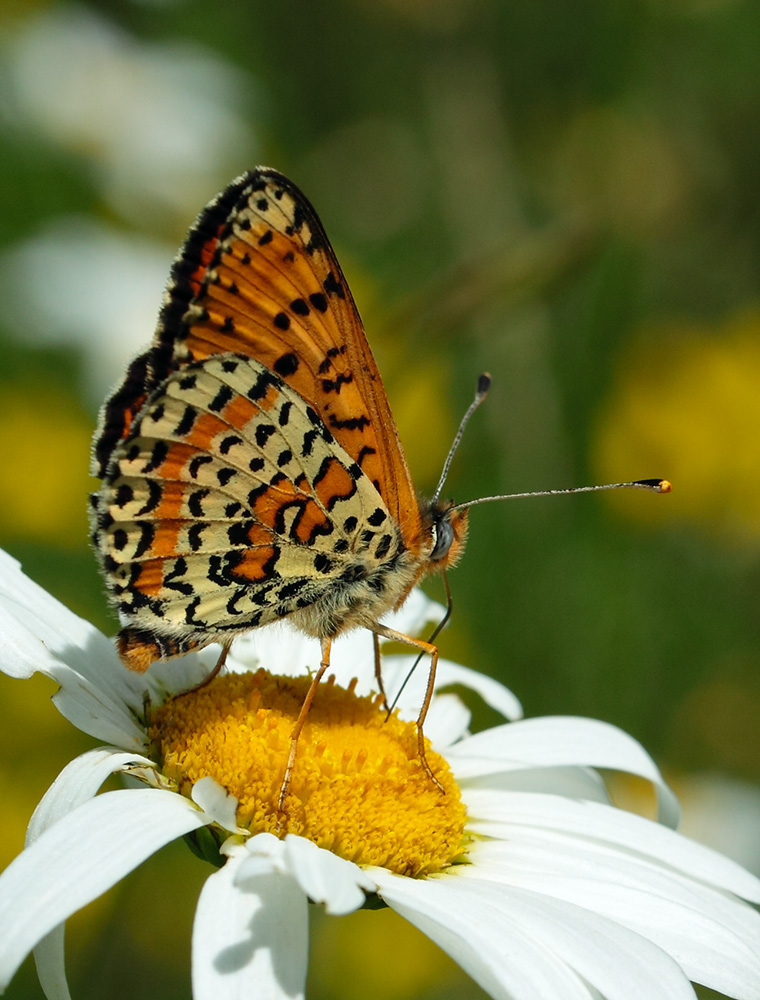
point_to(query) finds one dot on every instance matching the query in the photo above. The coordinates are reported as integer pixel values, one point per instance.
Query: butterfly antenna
(653, 485)
(484, 384)
(435, 633)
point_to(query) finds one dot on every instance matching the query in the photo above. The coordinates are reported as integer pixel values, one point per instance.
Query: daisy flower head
(521, 870)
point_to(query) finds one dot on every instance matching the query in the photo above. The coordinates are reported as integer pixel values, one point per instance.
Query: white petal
(277, 648)
(490, 690)
(39, 634)
(217, 803)
(79, 781)
(447, 721)
(170, 677)
(560, 740)
(621, 964)
(322, 875)
(77, 859)
(250, 936)
(714, 940)
(38, 631)
(571, 782)
(493, 948)
(417, 611)
(90, 707)
(50, 965)
(713, 936)
(264, 853)
(499, 814)
(396, 670)
(326, 878)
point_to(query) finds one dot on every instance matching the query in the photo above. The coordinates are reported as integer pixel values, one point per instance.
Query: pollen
(358, 787)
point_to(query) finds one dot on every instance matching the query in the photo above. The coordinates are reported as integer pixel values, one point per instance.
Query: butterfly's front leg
(379, 673)
(429, 648)
(212, 674)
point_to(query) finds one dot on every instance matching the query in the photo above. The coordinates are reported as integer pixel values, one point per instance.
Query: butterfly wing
(257, 275)
(228, 505)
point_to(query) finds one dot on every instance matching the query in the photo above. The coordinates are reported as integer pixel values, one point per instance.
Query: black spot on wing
(194, 535)
(383, 546)
(364, 452)
(220, 400)
(154, 498)
(286, 364)
(173, 580)
(185, 425)
(158, 453)
(195, 502)
(333, 287)
(299, 307)
(229, 442)
(264, 381)
(197, 462)
(124, 495)
(147, 534)
(263, 433)
(350, 423)
(336, 384)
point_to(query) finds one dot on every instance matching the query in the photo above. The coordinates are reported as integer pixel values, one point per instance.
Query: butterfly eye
(443, 536)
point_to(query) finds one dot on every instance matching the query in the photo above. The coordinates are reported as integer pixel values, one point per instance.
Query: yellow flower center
(358, 787)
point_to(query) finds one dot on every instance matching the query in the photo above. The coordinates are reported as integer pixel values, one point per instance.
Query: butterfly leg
(300, 721)
(212, 674)
(379, 673)
(426, 647)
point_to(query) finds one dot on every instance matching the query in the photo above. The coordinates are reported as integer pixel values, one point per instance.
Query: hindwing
(230, 504)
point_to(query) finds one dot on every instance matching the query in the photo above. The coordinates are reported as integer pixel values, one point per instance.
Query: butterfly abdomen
(365, 592)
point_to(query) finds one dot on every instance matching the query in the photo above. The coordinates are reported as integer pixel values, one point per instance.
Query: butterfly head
(448, 528)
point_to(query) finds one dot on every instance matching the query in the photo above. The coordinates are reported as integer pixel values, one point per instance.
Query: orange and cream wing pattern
(251, 467)
(230, 505)
(257, 276)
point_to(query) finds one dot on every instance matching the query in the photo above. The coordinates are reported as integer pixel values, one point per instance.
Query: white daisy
(523, 872)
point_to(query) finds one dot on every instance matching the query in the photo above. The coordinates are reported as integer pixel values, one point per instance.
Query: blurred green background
(561, 192)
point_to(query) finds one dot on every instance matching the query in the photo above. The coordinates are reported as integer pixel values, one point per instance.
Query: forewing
(229, 505)
(257, 275)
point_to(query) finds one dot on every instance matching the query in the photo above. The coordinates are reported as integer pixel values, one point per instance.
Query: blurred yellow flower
(45, 444)
(686, 405)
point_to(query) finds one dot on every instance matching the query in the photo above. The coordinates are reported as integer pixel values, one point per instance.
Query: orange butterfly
(251, 467)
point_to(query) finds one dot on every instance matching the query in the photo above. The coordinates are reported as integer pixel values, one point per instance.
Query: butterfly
(251, 468)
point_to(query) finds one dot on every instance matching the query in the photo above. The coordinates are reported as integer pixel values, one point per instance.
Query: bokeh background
(561, 192)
